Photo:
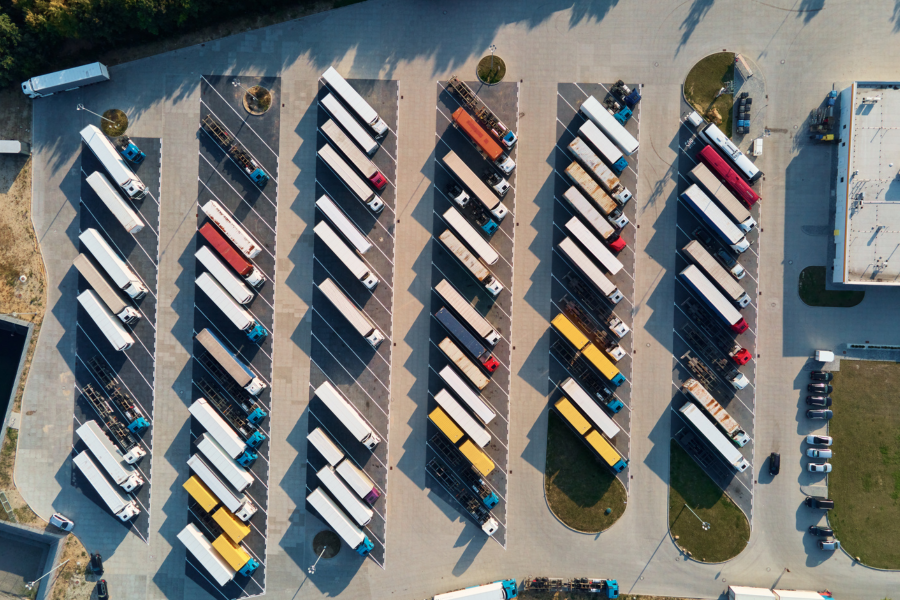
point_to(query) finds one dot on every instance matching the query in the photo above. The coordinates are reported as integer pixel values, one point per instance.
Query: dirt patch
(75, 580)
(114, 122)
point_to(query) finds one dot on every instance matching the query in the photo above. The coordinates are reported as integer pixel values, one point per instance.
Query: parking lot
(255, 207)
(338, 353)
(107, 380)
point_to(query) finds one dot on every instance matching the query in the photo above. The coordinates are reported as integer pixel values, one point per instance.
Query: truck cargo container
(231, 525)
(112, 263)
(714, 299)
(200, 548)
(358, 481)
(462, 362)
(698, 255)
(479, 189)
(236, 557)
(581, 233)
(714, 136)
(480, 461)
(602, 144)
(66, 80)
(118, 169)
(120, 209)
(354, 155)
(721, 169)
(596, 112)
(467, 312)
(467, 395)
(340, 522)
(109, 457)
(238, 315)
(126, 313)
(471, 263)
(583, 319)
(222, 432)
(478, 244)
(354, 183)
(592, 163)
(474, 211)
(716, 438)
(353, 506)
(239, 478)
(326, 447)
(606, 451)
(233, 230)
(354, 264)
(355, 101)
(489, 149)
(723, 339)
(719, 192)
(236, 502)
(232, 284)
(583, 345)
(201, 494)
(354, 316)
(484, 115)
(461, 417)
(468, 341)
(598, 418)
(695, 391)
(717, 220)
(343, 224)
(505, 589)
(118, 337)
(590, 214)
(348, 415)
(591, 189)
(124, 508)
(237, 153)
(609, 290)
(244, 267)
(349, 123)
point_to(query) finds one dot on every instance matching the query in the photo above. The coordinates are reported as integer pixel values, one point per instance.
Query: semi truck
(713, 298)
(503, 589)
(593, 190)
(714, 136)
(469, 476)
(581, 233)
(244, 267)
(484, 115)
(237, 503)
(712, 354)
(227, 224)
(724, 340)
(592, 163)
(354, 316)
(347, 414)
(346, 174)
(703, 177)
(118, 169)
(487, 147)
(720, 167)
(475, 211)
(114, 202)
(477, 243)
(583, 345)
(200, 548)
(694, 390)
(343, 224)
(109, 325)
(600, 420)
(452, 432)
(236, 151)
(590, 214)
(355, 101)
(592, 329)
(239, 478)
(462, 362)
(109, 457)
(590, 270)
(352, 475)
(235, 555)
(350, 124)
(590, 436)
(354, 507)
(237, 314)
(468, 341)
(223, 433)
(471, 263)
(596, 138)
(717, 220)
(338, 520)
(126, 313)
(234, 286)
(66, 80)
(129, 150)
(354, 155)
(699, 255)
(476, 432)
(123, 401)
(716, 438)
(115, 267)
(594, 110)
(464, 174)
(236, 368)
(124, 508)
(472, 400)
(467, 312)
(354, 264)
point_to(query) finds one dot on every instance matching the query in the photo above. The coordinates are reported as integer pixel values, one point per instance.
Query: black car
(820, 502)
(774, 464)
(818, 400)
(817, 413)
(821, 531)
(726, 258)
(821, 388)
(821, 376)
(96, 563)
(702, 236)
(102, 591)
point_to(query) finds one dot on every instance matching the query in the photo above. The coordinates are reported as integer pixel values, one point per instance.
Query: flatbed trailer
(235, 150)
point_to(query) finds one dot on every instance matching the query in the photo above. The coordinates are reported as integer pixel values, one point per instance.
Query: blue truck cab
(248, 569)
(632, 99)
(510, 588)
(623, 115)
(491, 500)
(612, 588)
(138, 425)
(247, 458)
(256, 439)
(615, 405)
(509, 139)
(619, 166)
(256, 415)
(256, 332)
(132, 153)
(365, 547)
(259, 177)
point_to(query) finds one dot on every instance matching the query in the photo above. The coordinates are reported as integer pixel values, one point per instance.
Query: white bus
(356, 102)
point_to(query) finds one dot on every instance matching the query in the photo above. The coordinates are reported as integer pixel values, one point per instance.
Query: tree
(10, 37)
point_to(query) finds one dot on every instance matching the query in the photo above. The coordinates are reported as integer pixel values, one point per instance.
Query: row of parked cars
(820, 448)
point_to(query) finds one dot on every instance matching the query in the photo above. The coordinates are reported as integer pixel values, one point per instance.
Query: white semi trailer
(125, 311)
(124, 508)
(357, 318)
(109, 325)
(109, 457)
(112, 263)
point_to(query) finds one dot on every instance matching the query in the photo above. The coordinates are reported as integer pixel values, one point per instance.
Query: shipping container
(717, 220)
(355, 101)
(468, 312)
(714, 136)
(592, 163)
(581, 233)
(239, 478)
(462, 362)
(716, 438)
(122, 506)
(343, 224)
(596, 138)
(239, 316)
(713, 298)
(593, 190)
(112, 263)
(63, 81)
(118, 169)
(478, 188)
(354, 507)
(109, 456)
(358, 427)
(236, 502)
(696, 392)
(719, 192)
(200, 548)
(326, 447)
(233, 230)
(599, 419)
(701, 257)
(471, 237)
(354, 154)
(471, 263)
(461, 417)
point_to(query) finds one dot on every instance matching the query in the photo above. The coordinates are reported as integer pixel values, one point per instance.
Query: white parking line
(238, 194)
(363, 363)
(243, 120)
(126, 356)
(121, 254)
(223, 338)
(348, 372)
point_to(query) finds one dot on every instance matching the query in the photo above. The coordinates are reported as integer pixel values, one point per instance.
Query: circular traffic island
(491, 70)
(114, 122)
(257, 100)
(708, 88)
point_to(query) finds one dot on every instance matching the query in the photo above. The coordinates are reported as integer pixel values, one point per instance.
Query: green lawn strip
(865, 483)
(813, 293)
(579, 489)
(729, 529)
(705, 80)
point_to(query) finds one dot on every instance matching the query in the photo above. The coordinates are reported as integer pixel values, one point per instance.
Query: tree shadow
(697, 13)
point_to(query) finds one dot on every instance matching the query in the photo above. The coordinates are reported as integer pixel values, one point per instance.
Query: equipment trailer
(236, 151)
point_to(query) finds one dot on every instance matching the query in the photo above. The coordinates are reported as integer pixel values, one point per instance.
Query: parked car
(821, 388)
(821, 440)
(102, 591)
(819, 502)
(821, 376)
(820, 531)
(774, 464)
(819, 467)
(57, 520)
(97, 563)
(820, 414)
(819, 453)
(818, 400)
(829, 544)
(703, 236)
(731, 263)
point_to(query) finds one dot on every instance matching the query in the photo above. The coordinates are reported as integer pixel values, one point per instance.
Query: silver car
(829, 544)
(819, 453)
(819, 467)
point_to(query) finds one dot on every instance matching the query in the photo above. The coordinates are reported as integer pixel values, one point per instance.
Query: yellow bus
(594, 438)
(574, 335)
(473, 453)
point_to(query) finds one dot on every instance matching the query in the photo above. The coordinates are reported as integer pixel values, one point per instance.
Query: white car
(819, 453)
(57, 520)
(821, 440)
(819, 467)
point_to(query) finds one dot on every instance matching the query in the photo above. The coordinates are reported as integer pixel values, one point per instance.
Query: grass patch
(813, 292)
(491, 69)
(8, 458)
(865, 483)
(119, 122)
(702, 84)
(579, 489)
(729, 529)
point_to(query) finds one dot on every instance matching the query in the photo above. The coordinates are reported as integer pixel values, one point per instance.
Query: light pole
(493, 48)
(236, 83)
(30, 585)
(81, 107)
(312, 569)
(703, 523)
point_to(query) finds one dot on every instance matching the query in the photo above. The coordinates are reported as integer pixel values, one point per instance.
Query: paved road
(544, 43)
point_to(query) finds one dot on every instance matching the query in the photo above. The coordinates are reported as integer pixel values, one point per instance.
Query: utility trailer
(236, 151)
(599, 308)
(129, 446)
(122, 399)
(472, 504)
(482, 112)
(707, 323)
